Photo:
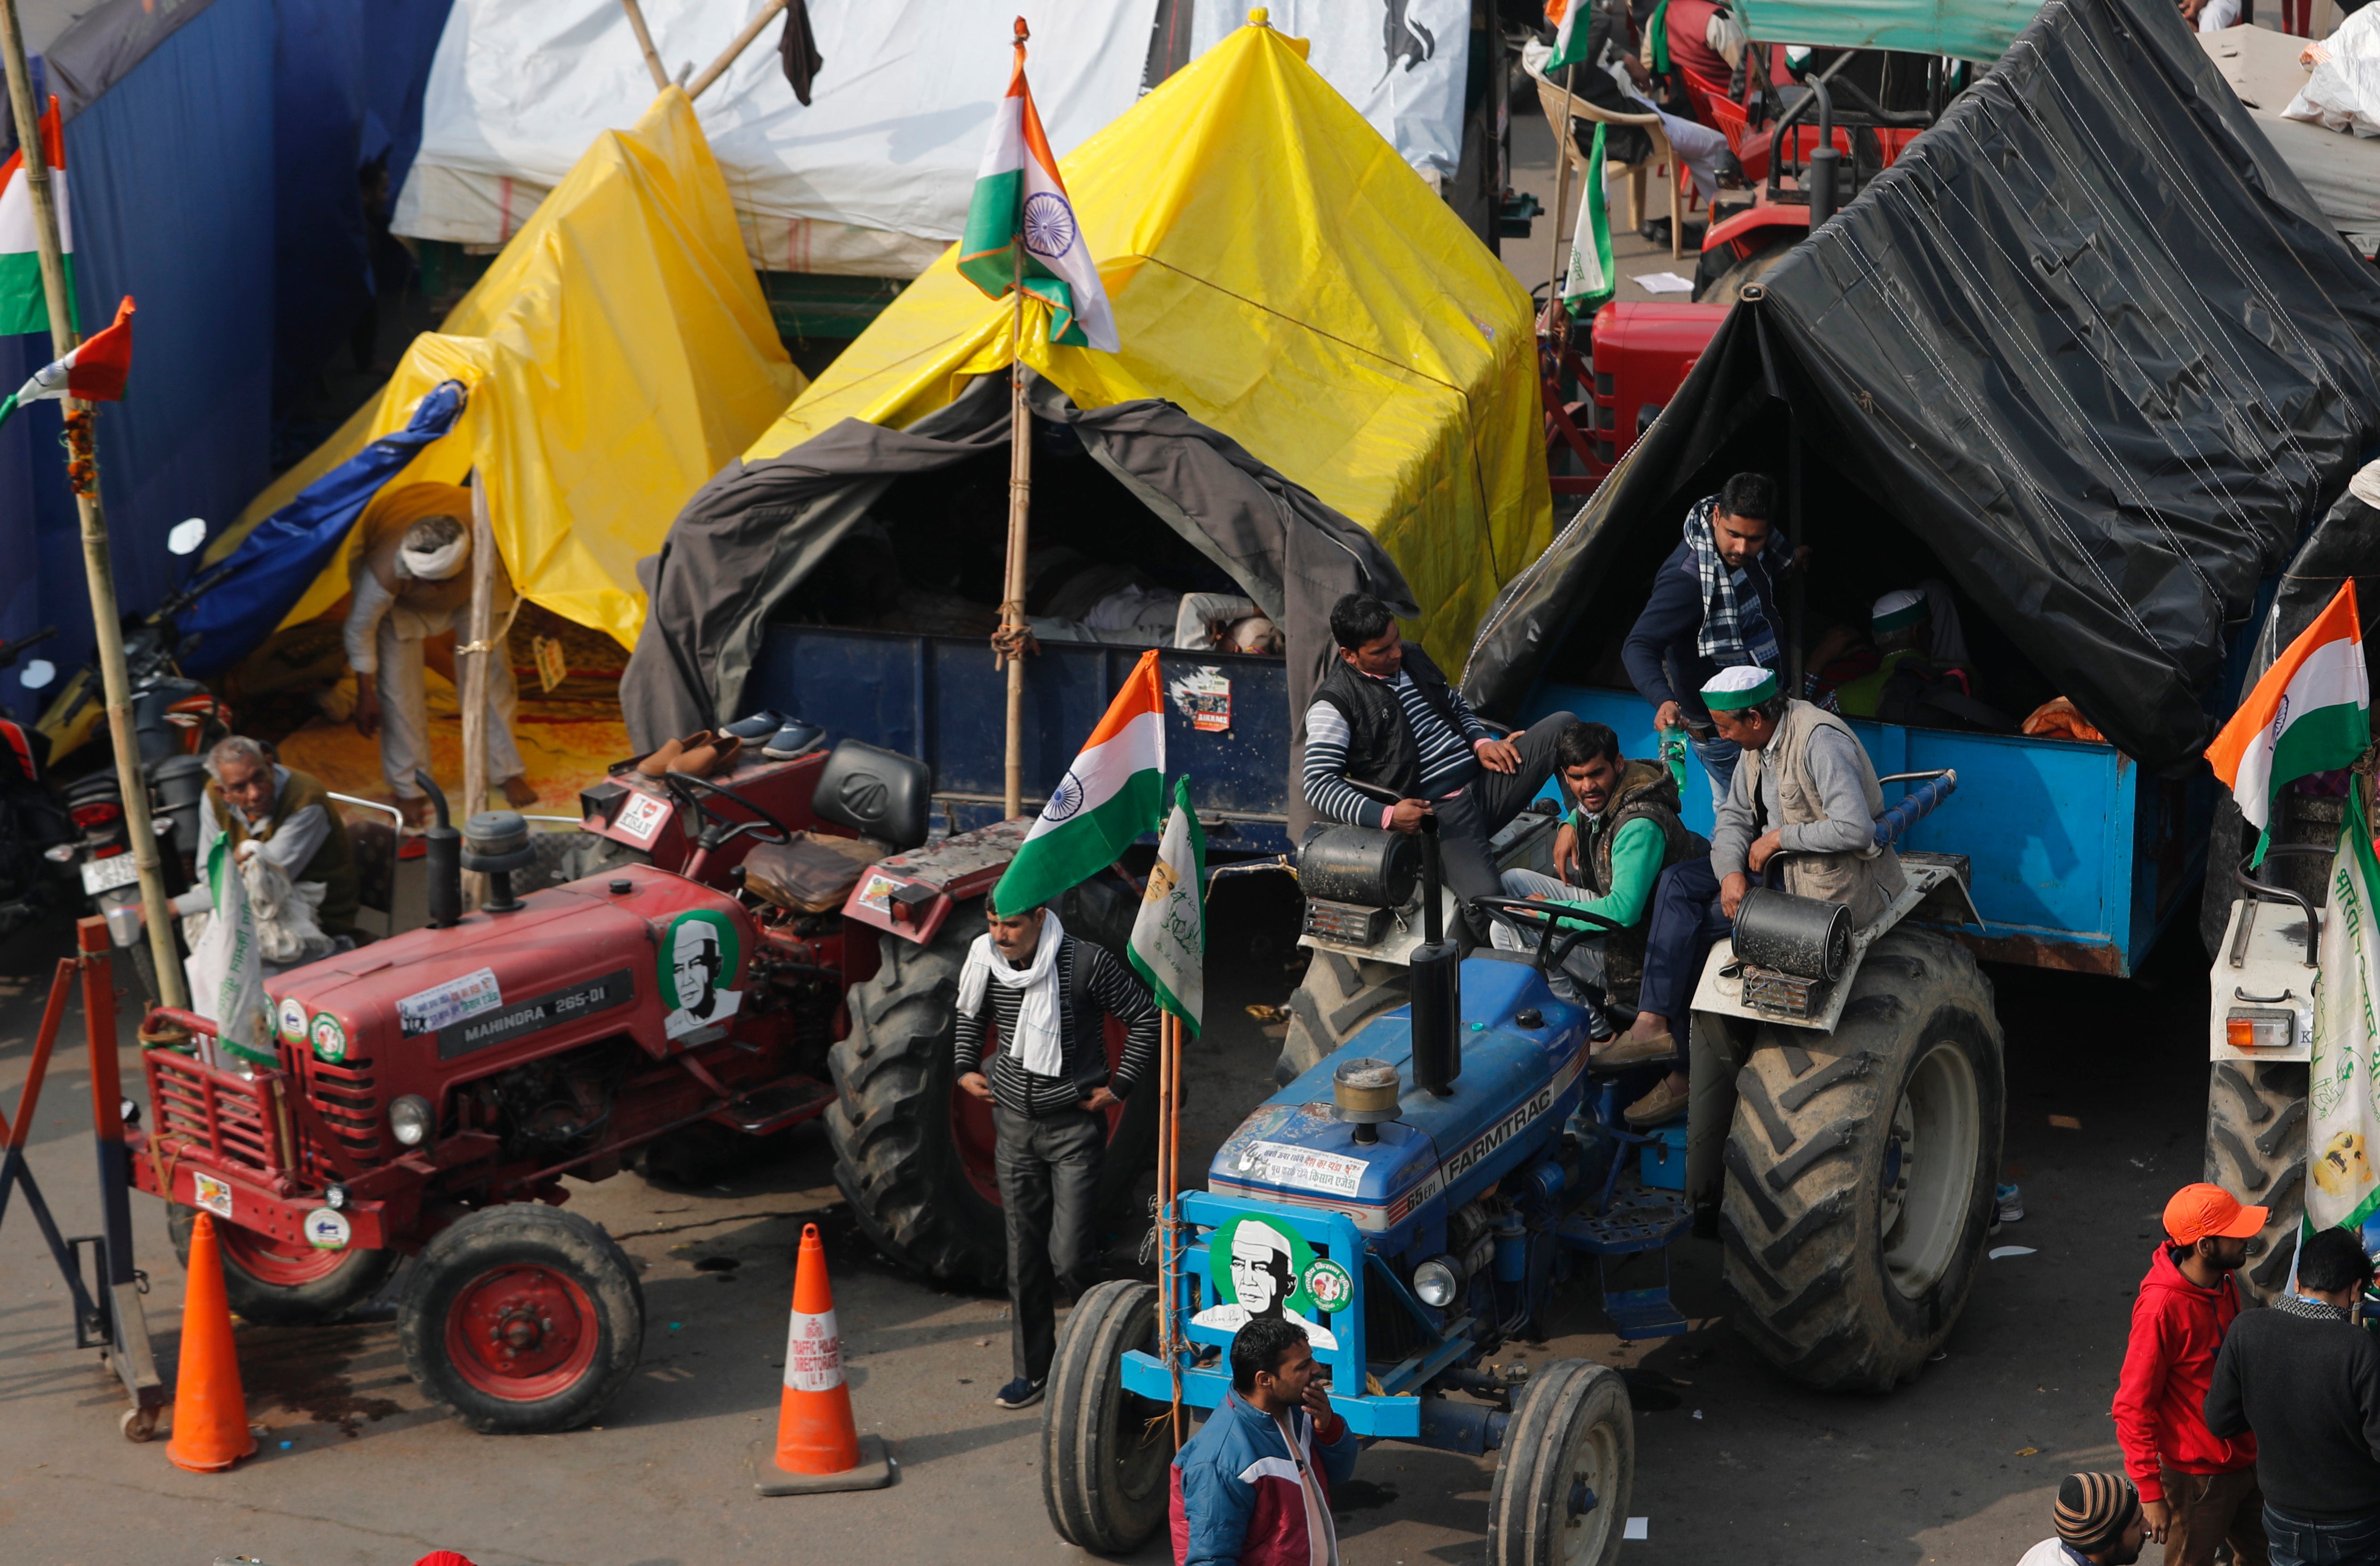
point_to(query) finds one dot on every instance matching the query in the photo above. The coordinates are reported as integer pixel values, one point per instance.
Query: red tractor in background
(723, 959)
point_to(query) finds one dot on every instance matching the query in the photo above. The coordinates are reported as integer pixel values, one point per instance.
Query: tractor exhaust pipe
(1436, 1001)
(445, 860)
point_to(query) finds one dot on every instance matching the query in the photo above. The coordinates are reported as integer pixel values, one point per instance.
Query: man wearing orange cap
(2198, 1490)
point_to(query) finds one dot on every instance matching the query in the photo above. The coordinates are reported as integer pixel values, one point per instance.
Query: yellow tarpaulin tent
(618, 352)
(1279, 271)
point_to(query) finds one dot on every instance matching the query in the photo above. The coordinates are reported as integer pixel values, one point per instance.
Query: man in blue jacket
(1713, 605)
(1253, 1486)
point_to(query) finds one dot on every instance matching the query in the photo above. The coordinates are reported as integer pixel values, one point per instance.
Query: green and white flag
(1018, 196)
(226, 968)
(1112, 793)
(2341, 1187)
(1587, 284)
(1169, 939)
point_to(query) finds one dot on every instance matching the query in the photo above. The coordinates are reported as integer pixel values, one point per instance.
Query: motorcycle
(32, 824)
(176, 721)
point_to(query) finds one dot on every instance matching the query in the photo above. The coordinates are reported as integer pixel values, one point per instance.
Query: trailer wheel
(1861, 1170)
(1105, 1450)
(912, 1152)
(1725, 284)
(275, 1283)
(2256, 1150)
(522, 1319)
(1560, 1494)
(1337, 996)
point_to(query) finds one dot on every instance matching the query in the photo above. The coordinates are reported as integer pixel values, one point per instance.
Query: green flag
(1169, 939)
(1588, 282)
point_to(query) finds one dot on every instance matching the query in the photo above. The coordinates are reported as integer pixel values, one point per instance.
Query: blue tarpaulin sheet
(270, 572)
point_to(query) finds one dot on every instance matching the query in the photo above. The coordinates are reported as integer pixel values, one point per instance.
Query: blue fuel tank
(1518, 1087)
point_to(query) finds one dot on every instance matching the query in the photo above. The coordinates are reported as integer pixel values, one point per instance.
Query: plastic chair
(1550, 93)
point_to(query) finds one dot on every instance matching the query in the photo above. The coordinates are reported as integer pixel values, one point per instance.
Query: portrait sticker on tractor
(211, 1193)
(642, 816)
(432, 1008)
(699, 965)
(1330, 1287)
(1260, 1269)
(327, 1230)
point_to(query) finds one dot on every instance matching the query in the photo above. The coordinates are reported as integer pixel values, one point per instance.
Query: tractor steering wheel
(688, 790)
(1550, 918)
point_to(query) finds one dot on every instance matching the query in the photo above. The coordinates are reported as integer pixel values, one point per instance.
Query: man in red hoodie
(2197, 1489)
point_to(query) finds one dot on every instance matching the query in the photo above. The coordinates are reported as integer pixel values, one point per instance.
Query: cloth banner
(226, 968)
(2345, 1107)
(1168, 937)
(1587, 282)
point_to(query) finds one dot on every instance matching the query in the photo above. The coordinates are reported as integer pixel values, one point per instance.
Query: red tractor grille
(225, 1119)
(348, 1103)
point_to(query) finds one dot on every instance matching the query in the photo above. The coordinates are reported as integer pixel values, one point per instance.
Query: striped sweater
(1448, 758)
(1107, 987)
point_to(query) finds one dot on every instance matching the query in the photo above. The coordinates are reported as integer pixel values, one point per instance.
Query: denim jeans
(1718, 758)
(2297, 1542)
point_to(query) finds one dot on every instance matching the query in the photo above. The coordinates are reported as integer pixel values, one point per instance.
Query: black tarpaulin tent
(2088, 342)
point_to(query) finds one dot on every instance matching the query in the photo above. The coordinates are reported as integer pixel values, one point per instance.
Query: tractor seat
(876, 793)
(813, 873)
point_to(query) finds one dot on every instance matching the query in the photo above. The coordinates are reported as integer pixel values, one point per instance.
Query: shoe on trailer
(758, 726)
(794, 738)
(1664, 1103)
(1020, 1393)
(1632, 1051)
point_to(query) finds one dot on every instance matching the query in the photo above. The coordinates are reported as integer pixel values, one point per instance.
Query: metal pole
(1168, 1183)
(129, 1352)
(1020, 509)
(82, 475)
(1796, 580)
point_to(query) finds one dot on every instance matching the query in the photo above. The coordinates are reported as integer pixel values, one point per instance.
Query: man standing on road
(2198, 1489)
(1804, 789)
(1389, 741)
(1048, 1088)
(1714, 606)
(1253, 1486)
(1622, 832)
(2099, 1524)
(2306, 1379)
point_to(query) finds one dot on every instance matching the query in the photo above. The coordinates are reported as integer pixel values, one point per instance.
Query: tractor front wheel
(1560, 1493)
(280, 1283)
(1104, 1449)
(1861, 1171)
(522, 1319)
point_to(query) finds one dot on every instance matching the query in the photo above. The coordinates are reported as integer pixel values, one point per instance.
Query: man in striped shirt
(1048, 1087)
(1388, 740)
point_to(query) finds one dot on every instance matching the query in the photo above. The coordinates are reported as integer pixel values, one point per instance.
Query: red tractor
(722, 957)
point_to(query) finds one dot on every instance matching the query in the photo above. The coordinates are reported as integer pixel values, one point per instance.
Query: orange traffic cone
(209, 1411)
(818, 1447)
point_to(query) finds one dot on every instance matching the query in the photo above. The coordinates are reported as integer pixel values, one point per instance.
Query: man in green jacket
(1622, 830)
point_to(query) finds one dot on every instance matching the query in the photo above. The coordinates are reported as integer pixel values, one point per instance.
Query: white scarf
(1036, 1044)
(436, 565)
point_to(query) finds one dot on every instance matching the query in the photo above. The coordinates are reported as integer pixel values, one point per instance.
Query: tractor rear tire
(1560, 1494)
(1861, 1171)
(1338, 996)
(1728, 285)
(2256, 1150)
(275, 1284)
(1105, 1450)
(522, 1319)
(897, 1156)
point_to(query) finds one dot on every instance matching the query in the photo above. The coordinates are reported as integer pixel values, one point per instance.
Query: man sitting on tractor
(288, 818)
(1253, 1486)
(1622, 832)
(1048, 1088)
(1806, 788)
(1714, 606)
(1387, 741)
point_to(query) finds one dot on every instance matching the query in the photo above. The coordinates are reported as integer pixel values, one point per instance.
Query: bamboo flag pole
(1168, 1215)
(1563, 145)
(1020, 510)
(645, 42)
(481, 621)
(82, 477)
(727, 56)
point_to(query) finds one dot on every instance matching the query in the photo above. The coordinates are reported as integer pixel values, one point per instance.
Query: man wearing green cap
(1920, 674)
(1804, 788)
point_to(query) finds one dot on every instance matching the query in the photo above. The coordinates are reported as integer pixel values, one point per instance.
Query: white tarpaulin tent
(871, 180)
(1402, 63)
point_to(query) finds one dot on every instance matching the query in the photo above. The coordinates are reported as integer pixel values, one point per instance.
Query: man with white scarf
(1049, 1087)
(411, 579)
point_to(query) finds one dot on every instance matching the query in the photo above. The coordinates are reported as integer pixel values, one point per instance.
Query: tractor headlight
(1437, 1282)
(411, 1119)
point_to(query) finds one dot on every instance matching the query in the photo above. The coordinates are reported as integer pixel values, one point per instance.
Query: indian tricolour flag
(94, 372)
(1568, 18)
(23, 307)
(1018, 195)
(1114, 791)
(2309, 714)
